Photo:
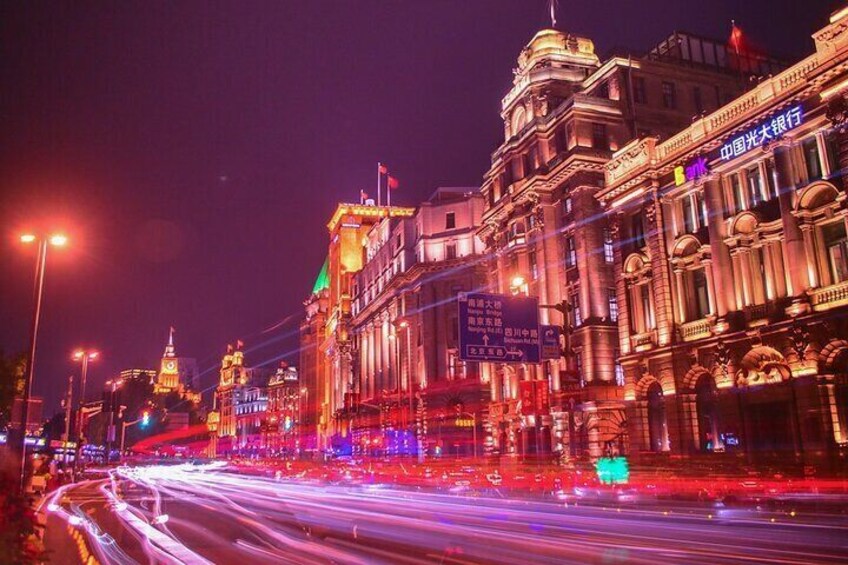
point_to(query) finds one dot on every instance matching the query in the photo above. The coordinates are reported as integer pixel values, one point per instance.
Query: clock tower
(168, 379)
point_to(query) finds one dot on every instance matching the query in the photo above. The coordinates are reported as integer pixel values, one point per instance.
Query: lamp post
(518, 285)
(56, 240)
(83, 356)
(110, 432)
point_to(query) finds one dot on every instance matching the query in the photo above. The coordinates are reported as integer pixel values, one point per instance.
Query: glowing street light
(518, 285)
(57, 240)
(83, 356)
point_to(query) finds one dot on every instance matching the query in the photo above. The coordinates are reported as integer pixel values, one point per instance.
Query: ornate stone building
(326, 348)
(412, 393)
(731, 271)
(177, 374)
(546, 233)
(236, 386)
(285, 413)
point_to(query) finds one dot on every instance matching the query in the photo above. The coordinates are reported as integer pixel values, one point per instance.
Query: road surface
(194, 514)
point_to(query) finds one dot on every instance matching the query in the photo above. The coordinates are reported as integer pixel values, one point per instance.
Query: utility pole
(69, 398)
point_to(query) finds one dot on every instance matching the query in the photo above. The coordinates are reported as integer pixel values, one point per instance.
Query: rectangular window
(738, 194)
(578, 367)
(637, 230)
(810, 147)
(576, 317)
(450, 221)
(609, 255)
(599, 136)
(700, 208)
(570, 253)
(645, 297)
(450, 250)
(639, 93)
(566, 205)
(698, 100)
(832, 149)
(612, 300)
(619, 370)
(669, 95)
(534, 267)
(755, 189)
(836, 244)
(689, 223)
(771, 179)
(702, 302)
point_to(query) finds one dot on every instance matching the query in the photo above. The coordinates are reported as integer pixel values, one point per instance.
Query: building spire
(169, 349)
(552, 6)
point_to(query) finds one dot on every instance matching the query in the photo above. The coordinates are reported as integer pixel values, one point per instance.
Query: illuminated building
(240, 400)
(409, 386)
(731, 268)
(311, 361)
(347, 228)
(250, 404)
(177, 374)
(565, 115)
(285, 411)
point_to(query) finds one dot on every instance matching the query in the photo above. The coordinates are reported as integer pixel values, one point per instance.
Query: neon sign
(762, 133)
(694, 170)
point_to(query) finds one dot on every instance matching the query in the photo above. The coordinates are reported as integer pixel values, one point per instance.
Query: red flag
(382, 169)
(393, 182)
(239, 344)
(735, 37)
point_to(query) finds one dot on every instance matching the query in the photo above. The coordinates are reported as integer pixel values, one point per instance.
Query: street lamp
(114, 385)
(517, 285)
(56, 240)
(83, 356)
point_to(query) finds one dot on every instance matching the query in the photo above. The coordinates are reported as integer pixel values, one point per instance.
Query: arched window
(706, 407)
(657, 424)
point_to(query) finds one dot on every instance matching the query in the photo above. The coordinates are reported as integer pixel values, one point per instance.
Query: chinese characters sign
(762, 133)
(494, 327)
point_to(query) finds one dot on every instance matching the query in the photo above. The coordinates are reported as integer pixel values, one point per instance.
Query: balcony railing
(697, 329)
(829, 297)
(644, 341)
(756, 312)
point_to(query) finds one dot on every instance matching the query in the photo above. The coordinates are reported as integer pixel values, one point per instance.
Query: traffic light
(145, 418)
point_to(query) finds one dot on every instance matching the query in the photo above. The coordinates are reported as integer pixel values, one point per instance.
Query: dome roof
(552, 45)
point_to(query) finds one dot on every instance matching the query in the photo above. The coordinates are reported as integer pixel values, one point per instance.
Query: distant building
(410, 387)
(240, 400)
(311, 371)
(286, 403)
(177, 374)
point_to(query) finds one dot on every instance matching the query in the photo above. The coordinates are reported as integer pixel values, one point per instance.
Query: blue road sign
(495, 327)
(551, 348)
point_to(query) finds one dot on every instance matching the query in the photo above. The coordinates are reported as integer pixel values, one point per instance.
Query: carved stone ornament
(650, 211)
(837, 112)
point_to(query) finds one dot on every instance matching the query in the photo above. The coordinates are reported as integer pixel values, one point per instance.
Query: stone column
(711, 285)
(793, 241)
(725, 299)
(771, 275)
(813, 266)
(680, 288)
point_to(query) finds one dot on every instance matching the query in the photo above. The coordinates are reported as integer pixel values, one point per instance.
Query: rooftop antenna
(552, 6)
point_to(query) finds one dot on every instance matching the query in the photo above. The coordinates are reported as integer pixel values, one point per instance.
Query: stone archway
(833, 388)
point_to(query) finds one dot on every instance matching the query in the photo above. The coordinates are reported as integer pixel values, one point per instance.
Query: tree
(12, 372)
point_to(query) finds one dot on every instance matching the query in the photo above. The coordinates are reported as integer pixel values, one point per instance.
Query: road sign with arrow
(499, 328)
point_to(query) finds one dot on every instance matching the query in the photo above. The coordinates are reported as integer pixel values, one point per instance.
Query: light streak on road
(217, 516)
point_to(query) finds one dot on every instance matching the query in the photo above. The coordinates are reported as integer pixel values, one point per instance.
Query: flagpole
(388, 194)
(379, 201)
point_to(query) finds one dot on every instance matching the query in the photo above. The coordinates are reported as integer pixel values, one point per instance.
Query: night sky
(193, 151)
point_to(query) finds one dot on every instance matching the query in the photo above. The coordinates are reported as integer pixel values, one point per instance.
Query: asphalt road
(185, 514)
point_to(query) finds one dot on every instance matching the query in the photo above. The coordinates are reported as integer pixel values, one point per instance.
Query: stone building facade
(731, 272)
(412, 393)
(546, 233)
